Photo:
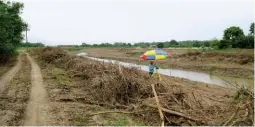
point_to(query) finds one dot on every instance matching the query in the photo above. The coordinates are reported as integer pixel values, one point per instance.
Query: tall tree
(233, 33)
(11, 27)
(252, 29)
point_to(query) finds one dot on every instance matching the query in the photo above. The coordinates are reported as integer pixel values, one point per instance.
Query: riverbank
(230, 63)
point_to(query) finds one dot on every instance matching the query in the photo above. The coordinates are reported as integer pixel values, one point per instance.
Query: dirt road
(36, 113)
(6, 78)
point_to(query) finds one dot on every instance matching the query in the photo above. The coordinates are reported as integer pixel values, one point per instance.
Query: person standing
(151, 68)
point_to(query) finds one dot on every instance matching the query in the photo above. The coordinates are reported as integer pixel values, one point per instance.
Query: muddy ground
(54, 88)
(236, 64)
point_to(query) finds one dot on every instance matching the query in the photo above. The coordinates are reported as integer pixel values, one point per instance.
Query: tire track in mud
(37, 109)
(6, 78)
(14, 98)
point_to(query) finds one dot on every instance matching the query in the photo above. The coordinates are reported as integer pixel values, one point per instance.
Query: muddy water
(224, 81)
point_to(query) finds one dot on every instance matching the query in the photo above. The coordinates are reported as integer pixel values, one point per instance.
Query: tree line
(29, 44)
(233, 37)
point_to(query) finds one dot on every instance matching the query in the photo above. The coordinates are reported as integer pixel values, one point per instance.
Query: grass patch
(121, 121)
(78, 118)
(124, 121)
(60, 75)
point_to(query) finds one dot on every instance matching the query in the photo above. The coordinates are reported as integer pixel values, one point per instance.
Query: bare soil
(37, 109)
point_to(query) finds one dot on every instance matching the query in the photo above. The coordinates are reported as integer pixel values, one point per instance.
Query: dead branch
(197, 100)
(158, 105)
(176, 113)
(82, 100)
(232, 117)
(175, 100)
(186, 102)
(124, 112)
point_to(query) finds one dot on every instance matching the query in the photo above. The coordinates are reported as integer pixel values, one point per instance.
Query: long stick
(232, 117)
(125, 112)
(176, 113)
(158, 105)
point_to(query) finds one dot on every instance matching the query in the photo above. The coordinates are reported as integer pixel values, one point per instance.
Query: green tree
(214, 43)
(173, 43)
(160, 45)
(197, 44)
(252, 29)
(233, 33)
(223, 44)
(206, 44)
(11, 28)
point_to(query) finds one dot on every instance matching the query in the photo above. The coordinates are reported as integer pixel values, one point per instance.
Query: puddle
(194, 76)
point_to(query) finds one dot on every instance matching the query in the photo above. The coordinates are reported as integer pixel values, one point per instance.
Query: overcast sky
(56, 22)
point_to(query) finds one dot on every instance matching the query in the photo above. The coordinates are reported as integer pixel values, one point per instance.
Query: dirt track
(36, 113)
(6, 78)
(16, 88)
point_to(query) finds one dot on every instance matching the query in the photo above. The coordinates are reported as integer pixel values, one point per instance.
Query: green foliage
(197, 44)
(122, 121)
(223, 44)
(252, 28)
(11, 27)
(160, 45)
(116, 44)
(28, 44)
(206, 44)
(244, 94)
(214, 43)
(234, 37)
(233, 33)
(173, 42)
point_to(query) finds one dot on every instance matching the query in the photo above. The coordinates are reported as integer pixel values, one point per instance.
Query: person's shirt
(151, 68)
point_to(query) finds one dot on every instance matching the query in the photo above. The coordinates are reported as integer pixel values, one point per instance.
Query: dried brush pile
(108, 82)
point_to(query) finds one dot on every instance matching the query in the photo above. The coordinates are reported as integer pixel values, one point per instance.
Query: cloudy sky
(56, 22)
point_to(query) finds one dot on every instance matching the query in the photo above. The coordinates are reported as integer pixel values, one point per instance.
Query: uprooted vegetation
(130, 91)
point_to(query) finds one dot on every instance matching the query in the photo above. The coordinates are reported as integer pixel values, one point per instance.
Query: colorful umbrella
(156, 54)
